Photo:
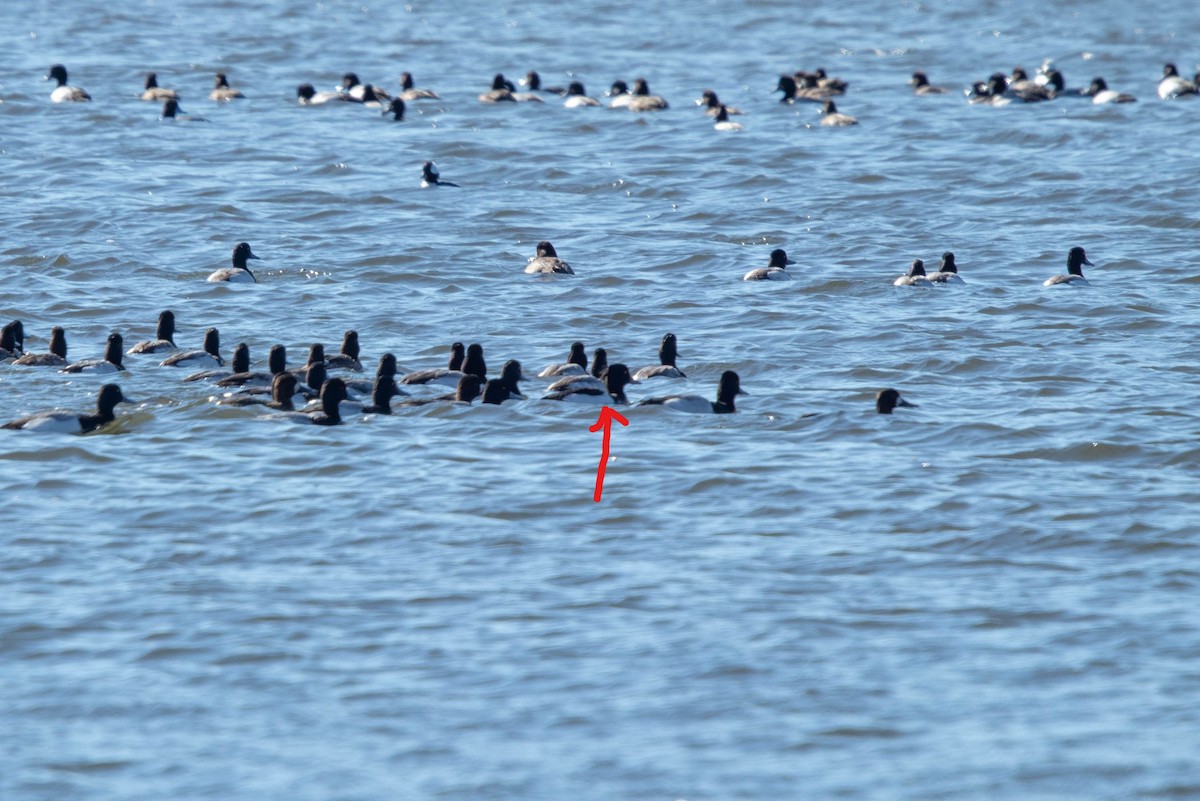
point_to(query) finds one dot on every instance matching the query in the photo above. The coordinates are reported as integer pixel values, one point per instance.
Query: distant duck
(386, 368)
(375, 98)
(206, 358)
(283, 390)
(396, 109)
(1100, 93)
(547, 261)
(363, 93)
(172, 111)
(793, 91)
(443, 375)
(668, 353)
(947, 272)
(577, 97)
(69, 423)
(1172, 85)
(17, 329)
(222, 92)
(914, 277)
(1076, 258)
(164, 337)
(57, 357)
(239, 272)
(619, 92)
(723, 122)
(533, 82)
(825, 82)
(511, 376)
(888, 399)
(347, 357)
(712, 106)
(775, 269)
(1057, 85)
(831, 116)
(576, 364)
(466, 390)
(642, 100)
(156, 93)
(410, 92)
(990, 93)
(921, 85)
(316, 356)
(381, 396)
(307, 95)
(333, 392)
(615, 380)
(1018, 86)
(431, 177)
(501, 91)
(728, 389)
(63, 93)
(495, 392)
(111, 363)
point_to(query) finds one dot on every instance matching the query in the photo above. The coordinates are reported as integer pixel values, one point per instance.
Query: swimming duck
(888, 399)
(921, 85)
(947, 272)
(825, 82)
(793, 92)
(667, 354)
(1172, 85)
(156, 93)
(713, 106)
(576, 364)
(396, 109)
(362, 92)
(577, 97)
(1057, 85)
(728, 388)
(57, 356)
(307, 95)
(283, 390)
(642, 100)
(990, 93)
(239, 364)
(466, 390)
(1076, 258)
(222, 92)
(533, 82)
(616, 378)
(17, 330)
(594, 377)
(431, 177)
(410, 92)
(775, 269)
(10, 350)
(381, 396)
(723, 122)
(242, 375)
(70, 423)
(831, 116)
(172, 111)
(443, 375)
(347, 359)
(316, 355)
(914, 277)
(1025, 90)
(63, 93)
(239, 272)
(501, 91)
(511, 376)
(1100, 93)
(495, 392)
(333, 392)
(386, 368)
(547, 261)
(164, 337)
(207, 358)
(619, 92)
(111, 363)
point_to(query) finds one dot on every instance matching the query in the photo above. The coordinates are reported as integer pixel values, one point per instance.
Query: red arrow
(608, 415)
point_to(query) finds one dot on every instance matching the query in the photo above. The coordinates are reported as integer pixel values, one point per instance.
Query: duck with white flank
(914, 277)
(206, 358)
(239, 272)
(71, 423)
(728, 389)
(63, 93)
(111, 363)
(616, 378)
(431, 177)
(947, 272)
(1076, 258)
(547, 261)
(668, 352)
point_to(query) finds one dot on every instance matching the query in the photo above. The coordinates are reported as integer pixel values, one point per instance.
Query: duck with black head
(431, 177)
(62, 92)
(239, 272)
(776, 269)
(947, 272)
(70, 423)
(616, 378)
(114, 348)
(222, 92)
(547, 261)
(164, 337)
(668, 352)
(206, 358)
(1076, 258)
(888, 399)
(728, 388)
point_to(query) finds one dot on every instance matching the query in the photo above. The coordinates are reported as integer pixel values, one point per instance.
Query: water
(991, 596)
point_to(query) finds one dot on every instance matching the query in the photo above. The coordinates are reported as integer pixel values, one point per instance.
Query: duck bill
(906, 404)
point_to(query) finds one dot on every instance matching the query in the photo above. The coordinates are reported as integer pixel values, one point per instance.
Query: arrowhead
(608, 415)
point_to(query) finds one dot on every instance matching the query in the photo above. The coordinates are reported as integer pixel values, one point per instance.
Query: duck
(111, 363)
(307, 95)
(1171, 86)
(594, 377)
(989, 93)
(382, 393)
(501, 91)
(172, 111)
(431, 177)
(69, 423)
(441, 375)
(57, 357)
(283, 390)
(347, 358)
(511, 376)
(577, 97)
(728, 388)
(164, 337)
(642, 100)
(471, 364)
(1076, 258)
(825, 82)
(239, 363)
(63, 93)
(712, 106)
(793, 92)
(668, 352)
(616, 378)
(410, 92)
(313, 377)
(208, 358)
(775, 269)
(888, 399)
(239, 272)
(1100, 93)
(10, 349)
(947, 272)
(495, 392)
(316, 355)
(362, 92)
(17, 330)
(723, 123)
(1025, 90)
(466, 390)
(396, 109)
(831, 116)
(155, 93)
(276, 365)
(1057, 85)
(533, 82)
(921, 85)
(619, 92)
(914, 277)
(547, 261)
(222, 92)
(333, 392)
(385, 369)
(576, 364)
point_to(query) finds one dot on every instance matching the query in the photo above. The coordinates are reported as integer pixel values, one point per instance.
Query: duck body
(775, 269)
(62, 92)
(57, 357)
(111, 363)
(668, 353)
(239, 272)
(547, 261)
(581, 389)
(914, 277)
(947, 272)
(207, 358)
(69, 423)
